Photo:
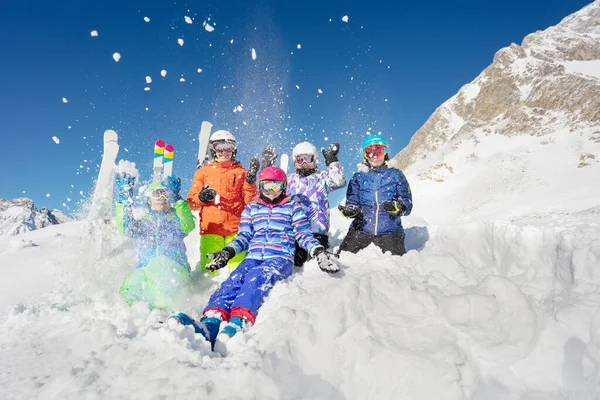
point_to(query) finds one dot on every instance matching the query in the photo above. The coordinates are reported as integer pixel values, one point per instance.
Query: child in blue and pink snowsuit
(269, 228)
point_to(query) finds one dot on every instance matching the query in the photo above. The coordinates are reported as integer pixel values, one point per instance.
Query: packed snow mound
(20, 215)
(474, 310)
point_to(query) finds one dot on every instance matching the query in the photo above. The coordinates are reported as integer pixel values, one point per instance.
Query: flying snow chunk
(299, 46)
(180, 41)
(148, 79)
(146, 19)
(345, 18)
(253, 54)
(231, 41)
(163, 73)
(208, 27)
(146, 88)
(47, 194)
(56, 140)
(116, 57)
(94, 33)
(65, 100)
(187, 19)
(320, 91)
(181, 79)
(238, 108)
(297, 87)
(199, 70)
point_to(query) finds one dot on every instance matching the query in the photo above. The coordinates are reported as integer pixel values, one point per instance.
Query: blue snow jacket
(369, 190)
(270, 230)
(158, 232)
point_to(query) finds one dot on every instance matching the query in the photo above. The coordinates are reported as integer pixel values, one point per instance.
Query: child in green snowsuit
(163, 268)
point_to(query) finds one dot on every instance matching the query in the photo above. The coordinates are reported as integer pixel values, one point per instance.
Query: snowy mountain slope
(20, 215)
(475, 310)
(528, 125)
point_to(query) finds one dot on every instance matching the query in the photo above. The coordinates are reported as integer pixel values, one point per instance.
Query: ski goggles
(304, 159)
(158, 193)
(271, 186)
(375, 151)
(223, 147)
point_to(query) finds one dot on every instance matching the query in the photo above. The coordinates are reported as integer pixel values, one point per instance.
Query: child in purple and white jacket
(311, 188)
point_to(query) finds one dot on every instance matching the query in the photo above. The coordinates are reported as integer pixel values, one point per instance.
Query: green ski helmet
(153, 186)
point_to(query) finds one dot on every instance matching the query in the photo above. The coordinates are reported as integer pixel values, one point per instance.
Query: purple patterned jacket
(312, 192)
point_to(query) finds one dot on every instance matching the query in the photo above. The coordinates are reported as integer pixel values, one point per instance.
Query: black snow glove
(394, 207)
(331, 155)
(324, 260)
(220, 258)
(350, 210)
(207, 194)
(252, 170)
(268, 156)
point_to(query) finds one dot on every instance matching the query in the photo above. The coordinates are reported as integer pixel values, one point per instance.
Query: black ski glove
(394, 207)
(268, 156)
(324, 260)
(253, 167)
(331, 155)
(220, 258)
(350, 210)
(207, 194)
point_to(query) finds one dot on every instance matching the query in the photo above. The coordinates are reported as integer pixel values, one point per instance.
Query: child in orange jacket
(220, 190)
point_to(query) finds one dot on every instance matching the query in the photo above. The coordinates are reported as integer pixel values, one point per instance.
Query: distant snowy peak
(549, 83)
(20, 215)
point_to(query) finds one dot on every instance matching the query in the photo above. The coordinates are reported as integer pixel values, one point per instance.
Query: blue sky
(385, 70)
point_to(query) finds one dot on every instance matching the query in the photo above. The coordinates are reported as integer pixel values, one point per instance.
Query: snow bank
(476, 310)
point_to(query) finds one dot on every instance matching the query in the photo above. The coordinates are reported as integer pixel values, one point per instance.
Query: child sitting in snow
(163, 268)
(269, 227)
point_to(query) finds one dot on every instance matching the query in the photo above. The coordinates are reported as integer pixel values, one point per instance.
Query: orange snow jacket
(221, 217)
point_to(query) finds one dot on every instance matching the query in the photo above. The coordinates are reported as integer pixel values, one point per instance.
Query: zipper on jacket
(376, 212)
(234, 176)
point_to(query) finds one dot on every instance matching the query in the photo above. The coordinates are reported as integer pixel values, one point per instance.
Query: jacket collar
(283, 201)
(224, 164)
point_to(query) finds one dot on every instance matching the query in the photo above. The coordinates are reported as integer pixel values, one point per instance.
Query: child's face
(273, 195)
(159, 200)
(271, 189)
(376, 161)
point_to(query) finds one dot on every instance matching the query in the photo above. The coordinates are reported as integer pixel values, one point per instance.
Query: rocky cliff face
(20, 215)
(548, 83)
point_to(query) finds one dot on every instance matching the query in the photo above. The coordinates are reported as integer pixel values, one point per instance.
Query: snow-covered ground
(479, 308)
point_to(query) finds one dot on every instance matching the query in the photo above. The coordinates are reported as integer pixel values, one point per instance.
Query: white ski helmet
(222, 136)
(305, 148)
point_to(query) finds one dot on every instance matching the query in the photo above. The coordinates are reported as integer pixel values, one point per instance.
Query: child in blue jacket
(376, 199)
(269, 227)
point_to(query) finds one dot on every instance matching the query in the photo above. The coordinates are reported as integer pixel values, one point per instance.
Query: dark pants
(301, 256)
(358, 240)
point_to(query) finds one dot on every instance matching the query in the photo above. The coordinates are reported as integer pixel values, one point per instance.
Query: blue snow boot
(234, 325)
(185, 319)
(209, 328)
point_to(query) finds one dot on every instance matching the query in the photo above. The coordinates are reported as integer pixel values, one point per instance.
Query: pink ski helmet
(272, 174)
